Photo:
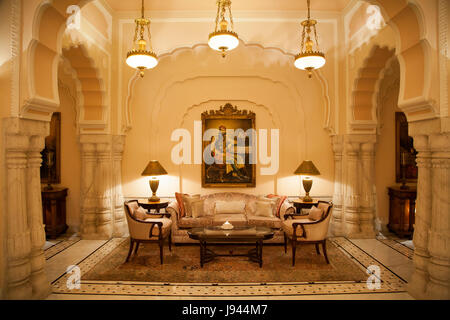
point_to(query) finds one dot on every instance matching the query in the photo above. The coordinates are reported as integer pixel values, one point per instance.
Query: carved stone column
(18, 232)
(439, 233)
(87, 194)
(352, 189)
(368, 190)
(420, 278)
(39, 281)
(337, 216)
(25, 275)
(104, 222)
(101, 195)
(120, 228)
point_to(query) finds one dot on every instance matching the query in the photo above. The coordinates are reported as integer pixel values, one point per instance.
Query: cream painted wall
(385, 150)
(191, 81)
(70, 149)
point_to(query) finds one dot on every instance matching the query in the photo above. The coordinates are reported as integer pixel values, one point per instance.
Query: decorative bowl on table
(227, 226)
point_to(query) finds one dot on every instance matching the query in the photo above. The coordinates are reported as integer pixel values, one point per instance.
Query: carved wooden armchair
(151, 229)
(300, 229)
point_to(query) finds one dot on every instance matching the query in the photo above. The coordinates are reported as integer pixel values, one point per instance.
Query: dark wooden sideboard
(54, 211)
(402, 207)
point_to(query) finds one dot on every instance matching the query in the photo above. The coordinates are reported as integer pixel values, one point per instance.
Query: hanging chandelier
(308, 59)
(140, 57)
(223, 38)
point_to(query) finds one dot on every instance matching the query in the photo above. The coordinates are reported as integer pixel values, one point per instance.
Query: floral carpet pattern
(97, 281)
(183, 265)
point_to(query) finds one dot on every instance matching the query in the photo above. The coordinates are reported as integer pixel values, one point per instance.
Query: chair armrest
(286, 208)
(293, 215)
(173, 209)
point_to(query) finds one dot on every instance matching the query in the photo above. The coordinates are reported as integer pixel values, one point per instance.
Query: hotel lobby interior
(217, 149)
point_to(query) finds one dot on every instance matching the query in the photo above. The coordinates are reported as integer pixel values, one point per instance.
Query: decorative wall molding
(444, 55)
(15, 38)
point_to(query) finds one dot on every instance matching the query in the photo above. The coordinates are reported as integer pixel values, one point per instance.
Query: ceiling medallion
(140, 57)
(223, 38)
(308, 59)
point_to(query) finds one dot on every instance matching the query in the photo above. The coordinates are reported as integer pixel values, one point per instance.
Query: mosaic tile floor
(389, 282)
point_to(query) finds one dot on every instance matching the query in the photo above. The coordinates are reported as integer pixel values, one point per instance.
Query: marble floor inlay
(387, 280)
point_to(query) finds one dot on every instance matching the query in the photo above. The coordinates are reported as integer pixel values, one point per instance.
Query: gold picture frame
(238, 172)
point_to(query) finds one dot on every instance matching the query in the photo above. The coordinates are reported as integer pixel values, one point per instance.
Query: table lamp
(154, 169)
(309, 169)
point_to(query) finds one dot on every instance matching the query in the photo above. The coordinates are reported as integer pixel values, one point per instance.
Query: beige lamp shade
(307, 167)
(154, 168)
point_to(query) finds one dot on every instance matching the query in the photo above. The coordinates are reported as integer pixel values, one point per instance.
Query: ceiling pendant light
(308, 59)
(223, 38)
(140, 58)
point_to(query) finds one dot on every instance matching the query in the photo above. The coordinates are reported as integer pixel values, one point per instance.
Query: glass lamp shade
(141, 59)
(310, 61)
(223, 40)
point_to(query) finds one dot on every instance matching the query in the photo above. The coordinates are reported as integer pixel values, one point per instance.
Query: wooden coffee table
(237, 235)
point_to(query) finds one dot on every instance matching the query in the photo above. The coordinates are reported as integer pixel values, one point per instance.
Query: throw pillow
(315, 213)
(264, 208)
(179, 198)
(230, 207)
(197, 208)
(274, 202)
(187, 204)
(140, 213)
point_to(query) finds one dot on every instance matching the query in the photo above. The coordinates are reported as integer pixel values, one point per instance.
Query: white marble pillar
(88, 193)
(439, 234)
(337, 216)
(368, 190)
(120, 228)
(39, 281)
(420, 278)
(352, 189)
(18, 233)
(103, 181)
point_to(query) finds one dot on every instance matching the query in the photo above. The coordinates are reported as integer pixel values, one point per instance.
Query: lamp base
(154, 199)
(307, 184)
(154, 183)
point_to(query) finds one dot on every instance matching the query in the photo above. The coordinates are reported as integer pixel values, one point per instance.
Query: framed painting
(405, 154)
(51, 155)
(228, 144)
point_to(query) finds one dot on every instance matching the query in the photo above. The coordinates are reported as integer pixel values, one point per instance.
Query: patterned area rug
(182, 266)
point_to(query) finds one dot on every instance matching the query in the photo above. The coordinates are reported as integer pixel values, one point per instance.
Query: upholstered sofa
(181, 224)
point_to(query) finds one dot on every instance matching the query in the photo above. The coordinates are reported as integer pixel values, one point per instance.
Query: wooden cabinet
(54, 211)
(402, 206)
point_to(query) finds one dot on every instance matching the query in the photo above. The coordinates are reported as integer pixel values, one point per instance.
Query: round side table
(299, 204)
(157, 206)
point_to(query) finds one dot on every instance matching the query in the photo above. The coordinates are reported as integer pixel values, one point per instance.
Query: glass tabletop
(236, 232)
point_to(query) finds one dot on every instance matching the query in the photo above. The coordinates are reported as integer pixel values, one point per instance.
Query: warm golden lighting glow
(308, 59)
(223, 39)
(140, 57)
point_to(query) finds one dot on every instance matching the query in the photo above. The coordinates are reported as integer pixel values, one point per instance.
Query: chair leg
(324, 249)
(136, 248)
(293, 251)
(130, 250)
(170, 241)
(317, 248)
(285, 242)
(161, 248)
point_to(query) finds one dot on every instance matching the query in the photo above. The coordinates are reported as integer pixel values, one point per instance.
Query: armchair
(299, 229)
(151, 229)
